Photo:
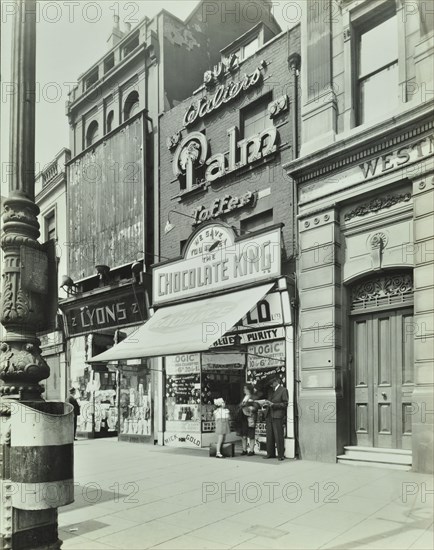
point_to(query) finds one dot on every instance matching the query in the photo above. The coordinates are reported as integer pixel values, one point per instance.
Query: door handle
(384, 394)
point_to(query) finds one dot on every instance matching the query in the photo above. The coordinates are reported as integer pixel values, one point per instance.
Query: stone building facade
(365, 197)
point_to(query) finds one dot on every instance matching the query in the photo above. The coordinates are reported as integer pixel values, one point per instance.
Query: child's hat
(219, 402)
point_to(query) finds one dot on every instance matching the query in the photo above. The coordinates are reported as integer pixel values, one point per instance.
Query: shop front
(222, 318)
(113, 396)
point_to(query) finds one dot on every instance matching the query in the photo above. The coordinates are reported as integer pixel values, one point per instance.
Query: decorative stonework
(173, 141)
(380, 287)
(377, 204)
(326, 167)
(278, 106)
(378, 240)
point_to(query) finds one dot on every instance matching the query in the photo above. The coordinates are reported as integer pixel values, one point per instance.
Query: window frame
(264, 100)
(369, 23)
(51, 214)
(95, 135)
(357, 17)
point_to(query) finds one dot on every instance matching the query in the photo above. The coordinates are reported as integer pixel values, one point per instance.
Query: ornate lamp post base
(28, 516)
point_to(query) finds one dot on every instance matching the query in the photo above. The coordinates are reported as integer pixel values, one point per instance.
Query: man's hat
(71, 390)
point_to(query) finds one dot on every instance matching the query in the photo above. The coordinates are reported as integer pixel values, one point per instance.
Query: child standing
(221, 417)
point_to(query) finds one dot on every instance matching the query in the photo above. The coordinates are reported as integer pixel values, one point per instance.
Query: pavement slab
(144, 496)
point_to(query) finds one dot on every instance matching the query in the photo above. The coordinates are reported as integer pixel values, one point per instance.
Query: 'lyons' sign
(193, 152)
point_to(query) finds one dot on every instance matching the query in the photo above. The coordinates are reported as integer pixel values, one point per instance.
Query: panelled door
(382, 373)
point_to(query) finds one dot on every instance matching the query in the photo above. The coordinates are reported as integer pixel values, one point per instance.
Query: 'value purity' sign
(222, 263)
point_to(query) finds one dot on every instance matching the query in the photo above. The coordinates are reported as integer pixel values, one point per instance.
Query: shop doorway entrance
(382, 369)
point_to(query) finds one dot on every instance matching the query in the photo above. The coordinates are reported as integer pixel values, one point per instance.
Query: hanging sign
(219, 263)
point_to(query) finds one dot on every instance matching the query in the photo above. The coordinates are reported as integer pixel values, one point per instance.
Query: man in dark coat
(73, 401)
(277, 404)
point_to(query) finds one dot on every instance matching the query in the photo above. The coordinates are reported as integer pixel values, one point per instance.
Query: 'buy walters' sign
(218, 262)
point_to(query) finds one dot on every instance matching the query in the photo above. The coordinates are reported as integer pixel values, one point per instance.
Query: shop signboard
(266, 313)
(252, 336)
(266, 356)
(100, 312)
(215, 260)
(187, 363)
(182, 439)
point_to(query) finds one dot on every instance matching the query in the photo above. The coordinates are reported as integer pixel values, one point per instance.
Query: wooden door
(382, 350)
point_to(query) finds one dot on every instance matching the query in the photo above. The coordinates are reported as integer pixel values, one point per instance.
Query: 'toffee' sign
(223, 206)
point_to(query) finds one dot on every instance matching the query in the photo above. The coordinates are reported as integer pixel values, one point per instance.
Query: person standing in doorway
(247, 420)
(73, 401)
(222, 427)
(276, 406)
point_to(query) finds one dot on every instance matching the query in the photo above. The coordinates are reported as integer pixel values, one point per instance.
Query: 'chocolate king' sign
(215, 260)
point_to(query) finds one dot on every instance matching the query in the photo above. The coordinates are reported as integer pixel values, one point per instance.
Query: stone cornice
(353, 149)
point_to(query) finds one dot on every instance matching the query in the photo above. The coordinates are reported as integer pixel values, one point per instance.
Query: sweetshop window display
(135, 411)
(194, 380)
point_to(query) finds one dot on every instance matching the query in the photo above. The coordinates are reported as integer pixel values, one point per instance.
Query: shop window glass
(97, 396)
(265, 360)
(378, 70)
(183, 393)
(135, 418)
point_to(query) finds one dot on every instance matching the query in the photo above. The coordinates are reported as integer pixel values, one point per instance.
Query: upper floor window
(130, 45)
(50, 226)
(109, 63)
(90, 79)
(131, 106)
(92, 133)
(110, 119)
(245, 46)
(378, 86)
(249, 49)
(255, 117)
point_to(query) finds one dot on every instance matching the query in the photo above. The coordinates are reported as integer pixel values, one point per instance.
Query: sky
(71, 36)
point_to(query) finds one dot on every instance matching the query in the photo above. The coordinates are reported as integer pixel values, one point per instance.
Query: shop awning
(186, 328)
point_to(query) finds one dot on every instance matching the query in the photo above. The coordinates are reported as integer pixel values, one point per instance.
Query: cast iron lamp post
(32, 456)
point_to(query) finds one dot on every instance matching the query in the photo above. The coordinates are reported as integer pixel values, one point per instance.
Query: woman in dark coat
(248, 410)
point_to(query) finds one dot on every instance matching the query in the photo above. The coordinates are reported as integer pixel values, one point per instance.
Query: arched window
(110, 118)
(131, 106)
(92, 133)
